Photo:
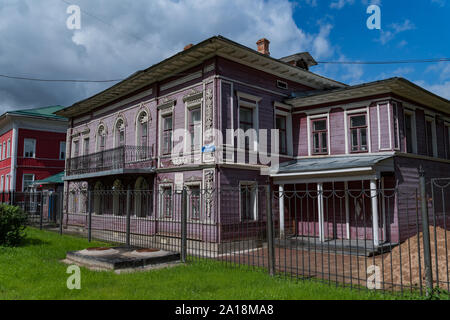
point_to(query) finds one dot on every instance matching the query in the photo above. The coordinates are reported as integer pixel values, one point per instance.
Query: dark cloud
(125, 36)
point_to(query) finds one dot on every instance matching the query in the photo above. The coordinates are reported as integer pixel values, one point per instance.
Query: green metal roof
(330, 163)
(56, 179)
(44, 112)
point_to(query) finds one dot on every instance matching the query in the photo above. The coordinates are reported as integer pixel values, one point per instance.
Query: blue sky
(119, 37)
(409, 30)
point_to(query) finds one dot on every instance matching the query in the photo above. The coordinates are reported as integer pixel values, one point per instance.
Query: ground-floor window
(166, 202)
(248, 201)
(194, 203)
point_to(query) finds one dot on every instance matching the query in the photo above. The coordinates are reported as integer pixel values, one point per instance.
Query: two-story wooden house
(330, 136)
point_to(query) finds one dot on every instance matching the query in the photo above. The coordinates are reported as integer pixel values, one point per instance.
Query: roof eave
(217, 45)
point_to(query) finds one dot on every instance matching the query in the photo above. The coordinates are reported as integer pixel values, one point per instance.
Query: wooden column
(281, 205)
(374, 198)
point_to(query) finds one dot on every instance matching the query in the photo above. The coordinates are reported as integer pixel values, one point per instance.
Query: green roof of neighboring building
(44, 112)
(56, 179)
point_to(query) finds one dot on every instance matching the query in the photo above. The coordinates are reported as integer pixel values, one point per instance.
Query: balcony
(124, 159)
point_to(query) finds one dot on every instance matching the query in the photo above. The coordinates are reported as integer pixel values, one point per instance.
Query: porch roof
(328, 167)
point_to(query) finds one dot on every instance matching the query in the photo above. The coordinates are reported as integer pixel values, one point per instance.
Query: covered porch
(346, 202)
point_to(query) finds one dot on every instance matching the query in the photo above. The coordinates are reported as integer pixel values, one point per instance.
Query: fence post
(184, 226)
(270, 236)
(128, 216)
(61, 212)
(426, 233)
(89, 216)
(41, 209)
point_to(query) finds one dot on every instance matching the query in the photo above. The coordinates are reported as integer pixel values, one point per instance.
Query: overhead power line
(57, 80)
(388, 62)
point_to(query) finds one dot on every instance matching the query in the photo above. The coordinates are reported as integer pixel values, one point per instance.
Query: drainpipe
(14, 148)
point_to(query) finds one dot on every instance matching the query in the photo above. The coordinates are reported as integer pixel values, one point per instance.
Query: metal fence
(328, 234)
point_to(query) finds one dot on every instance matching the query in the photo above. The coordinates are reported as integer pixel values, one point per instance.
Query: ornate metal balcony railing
(123, 157)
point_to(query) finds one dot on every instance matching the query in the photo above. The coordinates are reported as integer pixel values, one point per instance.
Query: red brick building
(32, 146)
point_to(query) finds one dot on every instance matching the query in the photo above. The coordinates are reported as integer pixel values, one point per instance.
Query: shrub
(12, 225)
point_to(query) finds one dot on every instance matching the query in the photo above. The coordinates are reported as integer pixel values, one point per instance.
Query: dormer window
(282, 84)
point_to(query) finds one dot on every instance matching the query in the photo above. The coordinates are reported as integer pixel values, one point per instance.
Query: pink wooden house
(332, 137)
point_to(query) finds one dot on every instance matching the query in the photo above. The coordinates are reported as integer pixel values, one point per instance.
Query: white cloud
(393, 30)
(441, 89)
(339, 4)
(440, 3)
(35, 41)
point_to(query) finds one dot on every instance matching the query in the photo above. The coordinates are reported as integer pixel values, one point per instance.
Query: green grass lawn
(34, 271)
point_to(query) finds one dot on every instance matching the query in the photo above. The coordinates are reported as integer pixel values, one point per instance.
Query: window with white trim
(167, 127)
(86, 146)
(358, 133)
(2, 186)
(1, 151)
(166, 202)
(101, 138)
(195, 127)
(319, 136)
(194, 201)
(4, 151)
(29, 148)
(120, 133)
(62, 150)
(76, 148)
(8, 149)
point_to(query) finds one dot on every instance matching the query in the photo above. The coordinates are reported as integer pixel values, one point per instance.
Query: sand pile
(408, 266)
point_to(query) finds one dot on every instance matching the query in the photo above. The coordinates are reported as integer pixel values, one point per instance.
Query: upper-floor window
(320, 136)
(246, 123)
(101, 138)
(8, 149)
(120, 133)
(195, 128)
(62, 150)
(281, 126)
(358, 133)
(447, 141)
(395, 111)
(429, 137)
(142, 129)
(86, 146)
(1, 151)
(409, 132)
(29, 148)
(4, 151)
(167, 134)
(76, 149)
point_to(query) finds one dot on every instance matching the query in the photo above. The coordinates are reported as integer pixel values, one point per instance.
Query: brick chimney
(190, 45)
(263, 46)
